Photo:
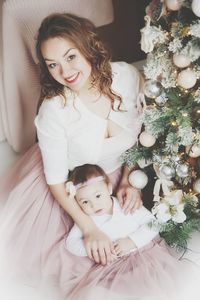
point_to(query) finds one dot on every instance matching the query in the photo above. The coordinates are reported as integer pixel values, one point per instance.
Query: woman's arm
(129, 197)
(53, 142)
(98, 246)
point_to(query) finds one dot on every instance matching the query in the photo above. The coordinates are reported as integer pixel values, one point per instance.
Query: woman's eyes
(52, 66)
(71, 57)
(68, 59)
(98, 196)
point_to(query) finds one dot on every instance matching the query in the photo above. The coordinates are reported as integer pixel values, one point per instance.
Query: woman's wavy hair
(82, 33)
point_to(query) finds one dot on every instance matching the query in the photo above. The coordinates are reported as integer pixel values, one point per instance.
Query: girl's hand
(129, 198)
(123, 246)
(99, 247)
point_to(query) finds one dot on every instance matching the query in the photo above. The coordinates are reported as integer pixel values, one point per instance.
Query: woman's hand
(129, 197)
(99, 247)
(123, 246)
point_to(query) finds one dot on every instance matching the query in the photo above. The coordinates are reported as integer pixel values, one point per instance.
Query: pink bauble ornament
(138, 179)
(146, 139)
(173, 4)
(181, 61)
(196, 185)
(187, 79)
(196, 7)
(193, 151)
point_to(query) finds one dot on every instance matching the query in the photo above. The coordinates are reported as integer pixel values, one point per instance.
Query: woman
(88, 115)
(76, 73)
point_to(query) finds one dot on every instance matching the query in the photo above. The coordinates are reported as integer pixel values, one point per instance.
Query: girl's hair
(82, 33)
(85, 172)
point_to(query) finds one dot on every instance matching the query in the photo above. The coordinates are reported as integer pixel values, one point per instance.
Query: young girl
(92, 190)
(142, 267)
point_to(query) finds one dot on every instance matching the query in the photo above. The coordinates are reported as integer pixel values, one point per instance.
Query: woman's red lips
(72, 78)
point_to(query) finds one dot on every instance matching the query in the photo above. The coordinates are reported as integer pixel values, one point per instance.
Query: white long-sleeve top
(116, 226)
(72, 135)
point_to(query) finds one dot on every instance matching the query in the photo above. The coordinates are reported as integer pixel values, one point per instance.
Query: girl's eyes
(85, 202)
(98, 196)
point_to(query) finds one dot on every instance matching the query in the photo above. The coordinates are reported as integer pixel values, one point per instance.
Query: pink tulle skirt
(33, 228)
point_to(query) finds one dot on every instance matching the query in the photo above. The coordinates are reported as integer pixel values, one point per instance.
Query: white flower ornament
(171, 208)
(70, 188)
(150, 35)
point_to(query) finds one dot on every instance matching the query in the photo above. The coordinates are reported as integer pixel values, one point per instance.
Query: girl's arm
(98, 246)
(129, 197)
(141, 236)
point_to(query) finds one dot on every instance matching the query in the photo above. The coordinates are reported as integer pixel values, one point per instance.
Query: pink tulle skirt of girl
(33, 228)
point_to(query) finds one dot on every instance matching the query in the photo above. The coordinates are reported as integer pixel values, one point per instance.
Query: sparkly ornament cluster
(169, 144)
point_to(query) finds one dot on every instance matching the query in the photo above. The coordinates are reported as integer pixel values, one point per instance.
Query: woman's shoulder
(126, 82)
(122, 69)
(126, 77)
(55, 106)
(53, 113)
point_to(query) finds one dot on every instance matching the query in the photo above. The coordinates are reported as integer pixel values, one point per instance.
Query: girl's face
(94, 199)
(66, 64)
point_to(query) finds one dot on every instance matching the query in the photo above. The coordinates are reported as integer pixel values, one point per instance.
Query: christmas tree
(169, 145)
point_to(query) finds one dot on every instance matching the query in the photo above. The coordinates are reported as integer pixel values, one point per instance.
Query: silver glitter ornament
(182, 170)
(160, 101)
(152, 88)
(167, 171)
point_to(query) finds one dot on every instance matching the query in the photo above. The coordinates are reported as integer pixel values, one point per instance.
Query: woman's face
(66, 64)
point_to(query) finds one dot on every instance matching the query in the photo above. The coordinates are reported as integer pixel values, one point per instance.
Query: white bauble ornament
(146, 139)
(182, 170)
(187, 79)
(193, 151)
(152, 88)
(138, 179)
(181, 61)
(173, 4)
(196, 185)
(196, 7)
